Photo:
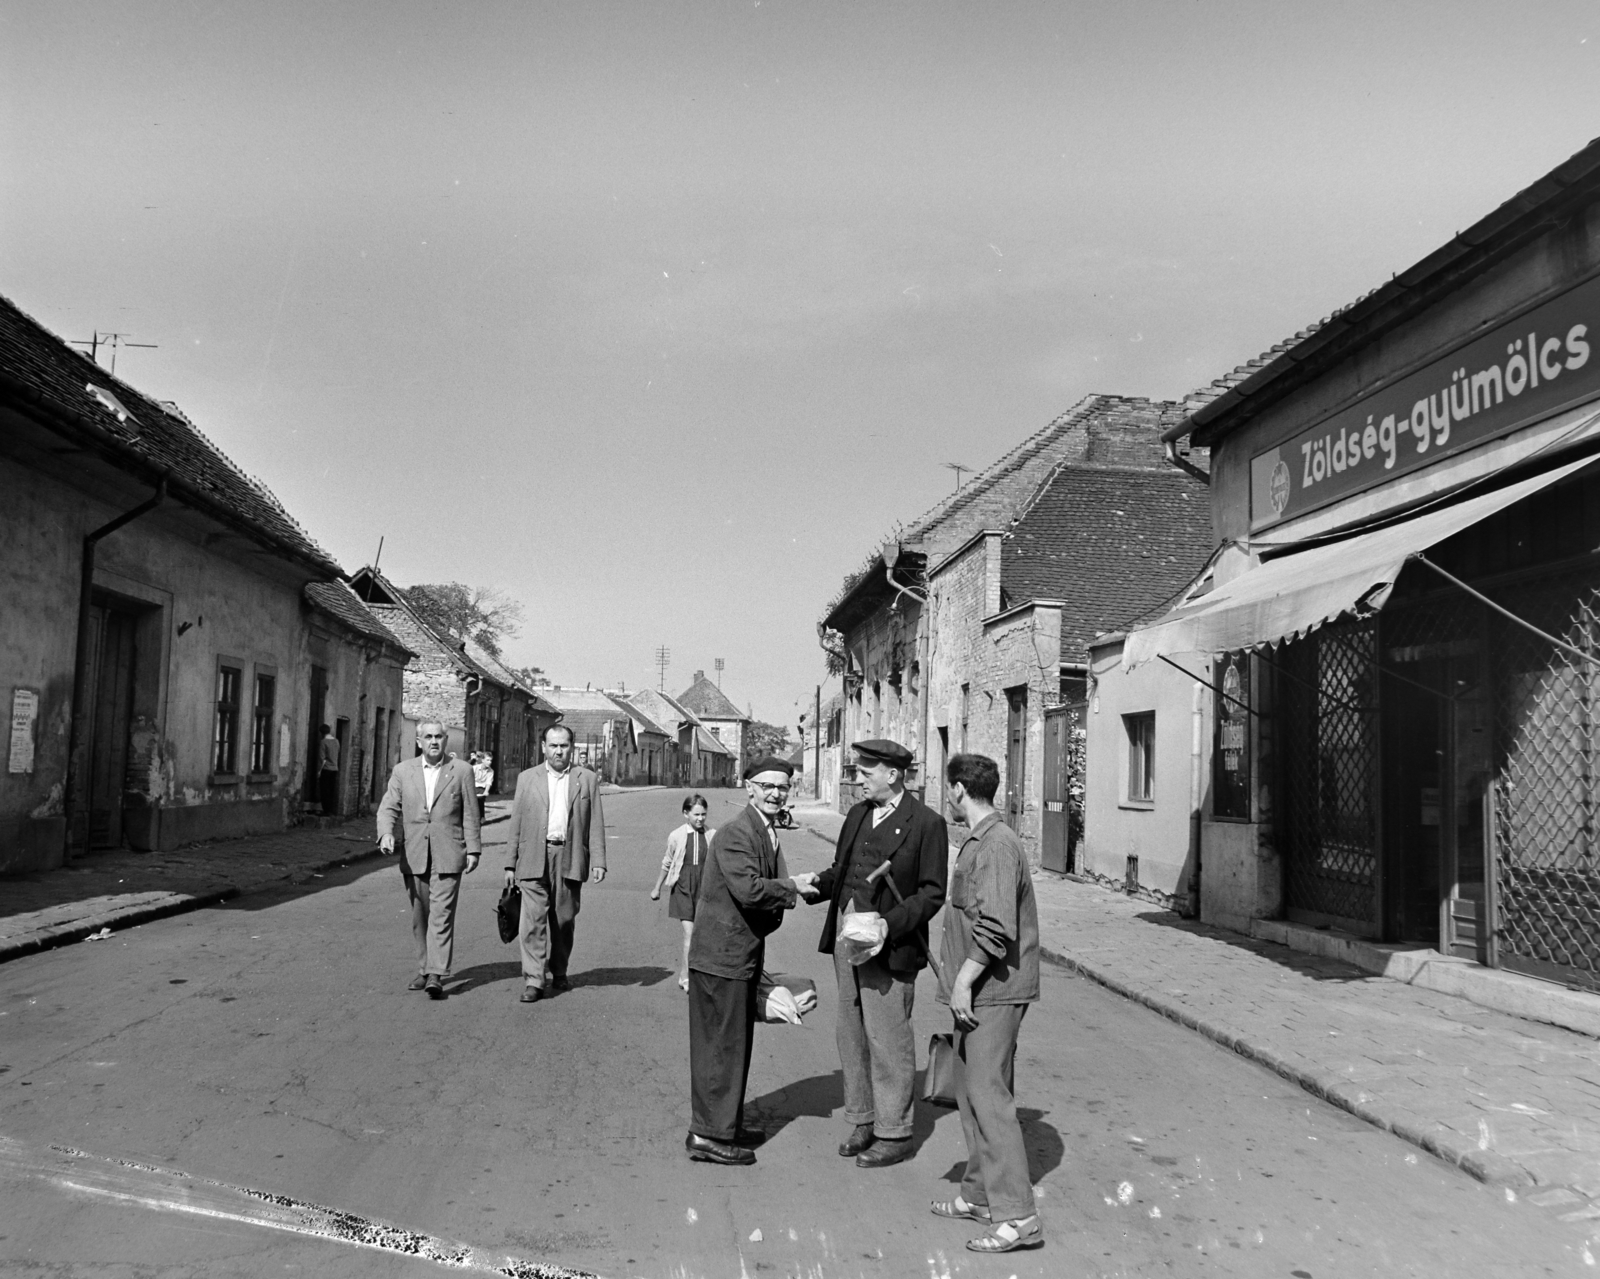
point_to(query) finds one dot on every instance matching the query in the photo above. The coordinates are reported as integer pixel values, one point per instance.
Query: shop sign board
(1516, 373)
(1230, 759)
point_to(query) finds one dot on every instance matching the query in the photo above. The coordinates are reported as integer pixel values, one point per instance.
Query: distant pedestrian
(744, 890)
(680, 872)
(429, 802)
(328, 771)
(483, 779)
(877, 1047)
(556, 841)
(989, 961)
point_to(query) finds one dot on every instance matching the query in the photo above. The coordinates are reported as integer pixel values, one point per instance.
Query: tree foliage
(762, 739)
(484, 614)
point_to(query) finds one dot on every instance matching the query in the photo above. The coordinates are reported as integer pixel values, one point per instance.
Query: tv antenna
(114, 341)
(719, 664)
(960, 471)
(663, 660)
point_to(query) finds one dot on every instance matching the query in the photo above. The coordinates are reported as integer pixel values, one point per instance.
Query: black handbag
(508, 913)
(939, 1080)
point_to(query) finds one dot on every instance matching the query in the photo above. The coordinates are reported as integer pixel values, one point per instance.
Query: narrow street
(268, 1047)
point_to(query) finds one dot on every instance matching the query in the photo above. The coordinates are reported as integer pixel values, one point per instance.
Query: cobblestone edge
(1436, 1138)
(171, 904)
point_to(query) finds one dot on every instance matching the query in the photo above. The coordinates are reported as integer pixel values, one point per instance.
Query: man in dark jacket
(744, 890)
(877, 1049)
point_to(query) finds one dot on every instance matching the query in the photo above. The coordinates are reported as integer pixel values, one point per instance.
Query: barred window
(225, 756)
(261, 723)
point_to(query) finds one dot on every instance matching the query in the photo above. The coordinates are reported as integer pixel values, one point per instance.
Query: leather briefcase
(939, 1080)
(508, 913)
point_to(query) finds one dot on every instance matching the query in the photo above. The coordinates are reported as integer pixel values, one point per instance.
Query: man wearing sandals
(989, 961)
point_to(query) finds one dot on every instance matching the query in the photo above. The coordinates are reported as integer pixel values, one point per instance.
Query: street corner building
(969, 630)
(172, 638)
(1401, 632)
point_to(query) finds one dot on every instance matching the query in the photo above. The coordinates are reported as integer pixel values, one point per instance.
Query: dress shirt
(431, 773)
(880, 814)
(560, 804)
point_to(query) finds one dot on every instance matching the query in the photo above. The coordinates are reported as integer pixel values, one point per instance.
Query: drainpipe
(1196, 789)
(80, 664)
(1184, 464)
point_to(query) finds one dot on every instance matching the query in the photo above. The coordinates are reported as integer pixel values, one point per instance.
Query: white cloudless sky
(659, 316)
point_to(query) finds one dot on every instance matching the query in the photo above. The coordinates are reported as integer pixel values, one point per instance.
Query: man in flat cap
(876, 1046)
(744, 890)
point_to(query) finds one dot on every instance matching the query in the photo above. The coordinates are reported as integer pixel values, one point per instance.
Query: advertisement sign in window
(1230, 759)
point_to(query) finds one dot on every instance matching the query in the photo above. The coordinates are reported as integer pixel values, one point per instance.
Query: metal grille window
(225, 753)
(1141, 730)
(1328, 698)
(261, 724)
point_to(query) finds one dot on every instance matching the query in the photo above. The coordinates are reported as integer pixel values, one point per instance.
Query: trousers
(549, 924)
(877, 1047)
(985, 1070)
(722, 1035)
(433, 917)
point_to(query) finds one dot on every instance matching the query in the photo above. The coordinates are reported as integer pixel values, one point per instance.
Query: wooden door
(1016, 756)
(111, 687)
(1054, 822)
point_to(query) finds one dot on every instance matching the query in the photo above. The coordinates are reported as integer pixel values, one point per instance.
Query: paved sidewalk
(117, 890)
(1510, 1101)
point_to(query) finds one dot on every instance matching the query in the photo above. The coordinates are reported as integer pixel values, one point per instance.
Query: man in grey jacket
(431, 799)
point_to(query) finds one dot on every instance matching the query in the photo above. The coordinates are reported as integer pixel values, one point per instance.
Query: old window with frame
(263, 709)
(225, 735)
(1141, 730)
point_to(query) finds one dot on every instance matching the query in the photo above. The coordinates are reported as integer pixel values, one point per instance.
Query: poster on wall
(1230, 760)
(24, 712)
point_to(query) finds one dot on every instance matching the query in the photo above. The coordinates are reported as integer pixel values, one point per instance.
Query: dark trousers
(328, 790)
(722, 1035)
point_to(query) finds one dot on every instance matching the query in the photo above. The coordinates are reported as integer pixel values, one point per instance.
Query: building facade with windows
(1408, 605)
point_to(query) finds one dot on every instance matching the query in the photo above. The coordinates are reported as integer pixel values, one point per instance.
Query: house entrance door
(1055, 823)
(1016, 756)
(319, 705)
(110, 682)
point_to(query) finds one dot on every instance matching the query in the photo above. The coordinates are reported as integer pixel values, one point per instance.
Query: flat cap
(771, 764)
(879, 748)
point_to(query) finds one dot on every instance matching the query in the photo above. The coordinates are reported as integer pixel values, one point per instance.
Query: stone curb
(171, 904)
(1437, 1139)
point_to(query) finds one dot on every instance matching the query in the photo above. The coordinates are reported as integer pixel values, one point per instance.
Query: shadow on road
(1313, 966)
(647, 976)
(1045, 1147)
(301, 882)
(817, 1097)
(485, 975)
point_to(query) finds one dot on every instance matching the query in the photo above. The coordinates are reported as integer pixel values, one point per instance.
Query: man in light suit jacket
(557, 840)
(432, 800)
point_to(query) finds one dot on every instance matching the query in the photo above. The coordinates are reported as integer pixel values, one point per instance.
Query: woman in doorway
(680, 872)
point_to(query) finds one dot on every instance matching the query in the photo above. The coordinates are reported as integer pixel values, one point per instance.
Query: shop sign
(1514, 374)
(1230, 757)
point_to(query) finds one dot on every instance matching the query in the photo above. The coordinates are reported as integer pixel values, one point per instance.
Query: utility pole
(816, 744)
(113, 340)
(663, 660)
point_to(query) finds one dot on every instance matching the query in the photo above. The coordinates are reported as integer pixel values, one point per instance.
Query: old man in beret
(877, 1049)
(744, 890)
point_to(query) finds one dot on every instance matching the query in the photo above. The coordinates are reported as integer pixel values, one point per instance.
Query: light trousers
(985, 1070)
(548, 925)
(433, 918)
(877, 1047)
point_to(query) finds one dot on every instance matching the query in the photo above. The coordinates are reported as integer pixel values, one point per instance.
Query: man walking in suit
(556, 841)
(744, 890)
(430, 798)
(877, 1049)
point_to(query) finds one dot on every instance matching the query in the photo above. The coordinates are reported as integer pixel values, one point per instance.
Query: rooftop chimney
(698, 676)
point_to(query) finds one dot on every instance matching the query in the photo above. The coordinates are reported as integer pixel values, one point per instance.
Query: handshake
(806, 886)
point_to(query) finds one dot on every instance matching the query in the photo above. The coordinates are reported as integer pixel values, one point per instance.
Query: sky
(659, 317)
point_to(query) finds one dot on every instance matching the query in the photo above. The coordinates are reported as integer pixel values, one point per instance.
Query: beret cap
(771, 764)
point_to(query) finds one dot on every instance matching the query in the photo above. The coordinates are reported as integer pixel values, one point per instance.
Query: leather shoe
(560, 983)
(434, 986)
(531, 994)
(418, 982)
(859, 1139)
(750, 1138)
(716, 1152)
(883, 1153)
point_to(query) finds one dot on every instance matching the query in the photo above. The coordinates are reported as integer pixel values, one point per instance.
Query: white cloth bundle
(861, 935)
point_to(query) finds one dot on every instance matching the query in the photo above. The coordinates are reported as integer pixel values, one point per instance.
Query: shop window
(225, 738)
(1230, 760)
(262, 709)
(1141, 730)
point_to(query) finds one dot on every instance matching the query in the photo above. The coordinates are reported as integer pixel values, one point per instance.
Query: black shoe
(531, 994)
(716, 1152)
(750, 1138)
(418, 982)
(434, 986)
(859, 1139)
(560, 984)
(884, 1153)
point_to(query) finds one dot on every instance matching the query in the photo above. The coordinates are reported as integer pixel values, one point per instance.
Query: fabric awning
(1286, 597)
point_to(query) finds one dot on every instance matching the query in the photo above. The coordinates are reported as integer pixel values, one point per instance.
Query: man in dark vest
(877, 1049)
(744, 890)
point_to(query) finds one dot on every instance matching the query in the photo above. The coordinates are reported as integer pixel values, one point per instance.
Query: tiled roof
(645, 723)
(43, 374)
(588, 726)
(705, 699)
(1112, 543)
(340, 602)
(703, 741)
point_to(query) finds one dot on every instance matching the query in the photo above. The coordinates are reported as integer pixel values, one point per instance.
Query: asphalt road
(250, 1090)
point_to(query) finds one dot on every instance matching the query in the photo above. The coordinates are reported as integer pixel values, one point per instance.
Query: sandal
(959, 1207)
(1008, 1236)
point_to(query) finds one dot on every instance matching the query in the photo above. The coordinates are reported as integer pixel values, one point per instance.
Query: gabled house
(701, 759)
(155, 636)
(654, 758)
(718, 716)
(603, 734)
